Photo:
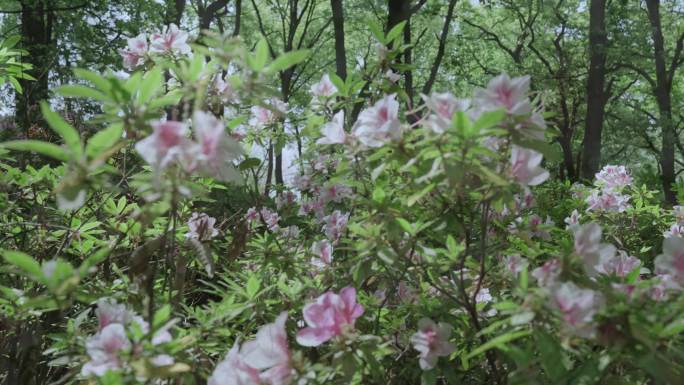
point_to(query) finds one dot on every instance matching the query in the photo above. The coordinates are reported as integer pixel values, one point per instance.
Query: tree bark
(174, 11)
(596, 93)
(338, 25)
(238, 14)
(427, 87)
(662, 91)
(209, 13)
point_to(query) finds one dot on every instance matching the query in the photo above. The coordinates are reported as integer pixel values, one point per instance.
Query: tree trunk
(36, 39)
(238, 14)
(208, 14)
(596, 93)
(662, 91)
(427, 87)
(338, 25)
(174, 11)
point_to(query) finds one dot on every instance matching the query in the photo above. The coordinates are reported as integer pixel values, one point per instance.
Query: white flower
(104, 349)
(443, 107)
(333, 132)
(525, 166)
(172, 40)
(432, 341)
(379, 124)
(201, 227)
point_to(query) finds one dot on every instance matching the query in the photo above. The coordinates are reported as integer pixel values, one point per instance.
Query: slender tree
(596, 92)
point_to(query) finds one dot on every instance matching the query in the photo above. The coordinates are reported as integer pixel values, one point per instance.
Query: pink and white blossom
(335, 224)
(104, 350)
(172, 40)
(201, 227)
(613, 178)
(671, 261)
(379, 124)
(607, 200)
(589, 248)
(515, 264)
(323, 252)
(432, 341)
(676, 230)
(443, 106)
(525, 166)
(331, 315)
(333, 132)
(619, 264)
(135, 51)
(322, 92)
(573, 220)
(547, 274)
(109, 312)
(167, 144)
(217, 150)
(266, 360)
(502, 92)
(392, 76)
(577, 307)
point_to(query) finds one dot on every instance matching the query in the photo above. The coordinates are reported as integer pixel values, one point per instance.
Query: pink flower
(525, 166)
(613, 178)
(335, 193)
(548, 273)
(432, 341)
(577, 307)
(442, 108)
(335, 224)
(267, 114)
(104, 349)
(286, 199)
(323, 251)
(333, 132)
(217, 150)
(265, 360)
(589, 247)
(201, 227)
(330, 316)
(607, 200)
(671, 261)
(225, 90)
(173, 40)
(676, 230)
(664, 284)
(515, 264)
(109, 312)
(167, 144)
(502, 92)
(324, 88)
(135, 51)
(573, 220)
(379, 124)
(233, 370)
(619, 264)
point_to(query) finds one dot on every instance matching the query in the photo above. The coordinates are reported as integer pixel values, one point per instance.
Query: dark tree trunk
(427, 87)
(209, 13)
(596, 93)
(174, 11)
(662, 91)
(338, 25)
(238, 14)
(36, 39)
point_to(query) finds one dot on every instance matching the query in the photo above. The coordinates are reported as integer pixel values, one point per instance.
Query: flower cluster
(172, 41)
(607, 194)
(211, 153)
(108, 347)
(330, 316)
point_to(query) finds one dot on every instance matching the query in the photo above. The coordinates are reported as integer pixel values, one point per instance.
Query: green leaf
(497, 342)
(287, 60)
(675, 327)
(253, 286)
(161, 316)
(16, 85)
(98, 81)
(488, 120)
(39, 147)
(24, 262)
(395, 32)
(103, 140)
(428, 377)
(150, 85)
(406, 225)
(260, 55)
(79, 91)
(65, 130)
(420, 194)
(249, 163)
(551, 358)
(379, 194)
(376, 31)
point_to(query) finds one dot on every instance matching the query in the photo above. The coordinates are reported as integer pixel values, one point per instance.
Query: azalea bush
(416, 243)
